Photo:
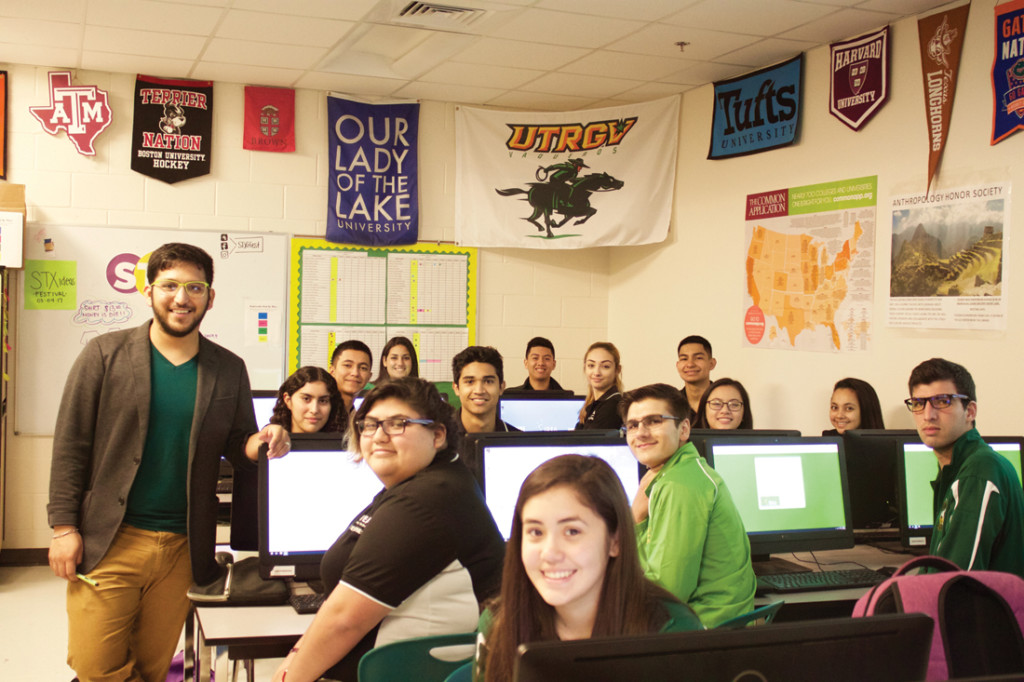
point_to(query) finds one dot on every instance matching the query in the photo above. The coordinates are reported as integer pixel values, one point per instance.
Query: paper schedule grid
(427, 289)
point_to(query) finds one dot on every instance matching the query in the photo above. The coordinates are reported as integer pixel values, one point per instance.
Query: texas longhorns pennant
(942, 38)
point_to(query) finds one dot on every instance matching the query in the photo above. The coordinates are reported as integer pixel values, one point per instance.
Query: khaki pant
(128, 626)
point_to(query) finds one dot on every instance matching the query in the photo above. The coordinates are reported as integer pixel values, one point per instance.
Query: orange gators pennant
(942, 39)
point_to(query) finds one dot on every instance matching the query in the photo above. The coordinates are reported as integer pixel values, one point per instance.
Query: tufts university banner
(565, 180)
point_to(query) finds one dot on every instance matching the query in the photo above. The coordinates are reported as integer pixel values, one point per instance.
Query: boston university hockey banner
(565, 180)
(1008, 71)
(172, 132)
(860, 77)
(373, 194)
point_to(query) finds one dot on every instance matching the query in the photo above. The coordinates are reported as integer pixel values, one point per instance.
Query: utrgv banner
(373, 196)
(565, 180)
(1008, 71)
(757, 112)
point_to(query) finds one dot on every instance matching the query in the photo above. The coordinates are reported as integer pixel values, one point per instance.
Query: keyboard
(310, 602)
(824, 580)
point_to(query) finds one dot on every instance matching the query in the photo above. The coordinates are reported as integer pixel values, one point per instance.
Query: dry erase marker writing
(87, 580)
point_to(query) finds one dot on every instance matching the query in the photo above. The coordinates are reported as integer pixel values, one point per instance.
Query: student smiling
(603, 370)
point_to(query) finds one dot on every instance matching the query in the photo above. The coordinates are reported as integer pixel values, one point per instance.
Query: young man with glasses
(145, 417)
(690, 535)
(978, 503)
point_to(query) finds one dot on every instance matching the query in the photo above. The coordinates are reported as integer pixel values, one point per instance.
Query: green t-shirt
(159, 496)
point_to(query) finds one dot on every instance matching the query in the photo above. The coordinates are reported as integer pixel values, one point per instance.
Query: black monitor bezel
(784, 542)
(700, 436)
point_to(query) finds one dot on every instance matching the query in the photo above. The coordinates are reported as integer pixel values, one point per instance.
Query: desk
(830, 603)
(244, 632)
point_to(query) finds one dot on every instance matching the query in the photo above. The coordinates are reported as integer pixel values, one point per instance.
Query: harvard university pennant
(269, 119)
(1008, 71)
(942, 38)
(172, 128)
(860, 77)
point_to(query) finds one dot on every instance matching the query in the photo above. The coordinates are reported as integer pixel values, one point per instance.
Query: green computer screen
(784, 486)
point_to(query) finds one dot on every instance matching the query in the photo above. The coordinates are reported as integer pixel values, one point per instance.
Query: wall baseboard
(24, 557)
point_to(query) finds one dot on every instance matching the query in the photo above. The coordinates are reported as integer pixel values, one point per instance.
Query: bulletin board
(80, 282)
(425, 292)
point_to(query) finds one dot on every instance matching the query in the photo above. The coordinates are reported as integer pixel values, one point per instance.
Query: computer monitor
(541, 410)
(917, 467)
(506, 462)
(699, 436)
(307, 499)
(871, 471)
(263, 405)
(790, 492)
(892, 647)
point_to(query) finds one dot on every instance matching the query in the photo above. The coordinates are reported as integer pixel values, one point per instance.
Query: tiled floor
(33, 628)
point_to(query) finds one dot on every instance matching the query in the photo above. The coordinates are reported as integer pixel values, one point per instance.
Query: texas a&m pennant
(269, 119)
(172, 128)
(860, 77)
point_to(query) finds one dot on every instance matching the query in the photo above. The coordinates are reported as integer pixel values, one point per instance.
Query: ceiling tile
(444, 92)
(755, 17)
(283, 29)
(652, 91)
(350, 10)
(500, 52)
(340, 82)
(902, 7)
(544, 26)
(253, 75)
(228, 51)
(146, 43)
(706, 72)
(768, 51)
(585, 86)
(54, 10)
(625, 65)
(533, 101)
(660, 39)
(650, 10)
(132, 63)
(481, 75)
(145, 15)
(41, 33)
(41, 55)
(846, 23)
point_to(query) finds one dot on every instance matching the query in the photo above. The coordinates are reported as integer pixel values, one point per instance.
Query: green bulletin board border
(299, 245)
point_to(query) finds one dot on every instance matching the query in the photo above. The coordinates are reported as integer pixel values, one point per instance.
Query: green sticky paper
(51, 285)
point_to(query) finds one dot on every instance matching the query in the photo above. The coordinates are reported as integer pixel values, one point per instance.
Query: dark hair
(382, 373)
(614, 352)
(351, 344)
(419, 394)
(938, 369)
(307, 375)
(747, 422)
(677, 404)
(169, 255)
(693, 338)
(867, 399)
(539, 341)
(486, 354)
(629, 604)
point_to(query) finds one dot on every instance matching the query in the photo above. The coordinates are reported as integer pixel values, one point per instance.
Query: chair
(424, 659)
(464, 673)
(765, 613)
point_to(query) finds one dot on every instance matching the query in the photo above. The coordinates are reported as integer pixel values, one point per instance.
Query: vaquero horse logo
(561, 190)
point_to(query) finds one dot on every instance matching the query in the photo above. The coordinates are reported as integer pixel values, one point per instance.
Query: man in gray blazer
(145, 417)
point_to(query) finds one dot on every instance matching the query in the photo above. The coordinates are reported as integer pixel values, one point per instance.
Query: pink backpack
(978, 615)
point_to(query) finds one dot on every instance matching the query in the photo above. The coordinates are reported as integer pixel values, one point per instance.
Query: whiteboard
(80, 282)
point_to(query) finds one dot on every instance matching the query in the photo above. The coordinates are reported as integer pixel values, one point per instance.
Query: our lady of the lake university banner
(565, 180)
(373, 194)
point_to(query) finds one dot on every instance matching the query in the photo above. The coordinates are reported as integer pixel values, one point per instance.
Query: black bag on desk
(240, 584)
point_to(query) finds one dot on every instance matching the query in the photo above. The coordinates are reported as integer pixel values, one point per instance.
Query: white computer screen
(541, 415)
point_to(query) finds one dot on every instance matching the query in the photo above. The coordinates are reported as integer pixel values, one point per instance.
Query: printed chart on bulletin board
(80, 282)
(425, 292)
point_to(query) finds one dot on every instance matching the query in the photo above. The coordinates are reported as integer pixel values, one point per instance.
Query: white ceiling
(532, 54)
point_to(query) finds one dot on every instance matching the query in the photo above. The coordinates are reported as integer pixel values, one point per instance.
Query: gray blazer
(101, 431)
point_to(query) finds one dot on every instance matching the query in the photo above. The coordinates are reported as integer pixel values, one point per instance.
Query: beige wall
(642, 298)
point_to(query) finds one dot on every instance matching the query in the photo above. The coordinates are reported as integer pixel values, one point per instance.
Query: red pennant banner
(269, 119)
(942, 39)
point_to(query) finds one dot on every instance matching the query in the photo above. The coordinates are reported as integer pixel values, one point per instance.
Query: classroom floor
(33, 628)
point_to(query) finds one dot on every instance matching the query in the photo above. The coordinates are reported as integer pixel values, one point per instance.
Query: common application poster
(810, 265)
(948, 249)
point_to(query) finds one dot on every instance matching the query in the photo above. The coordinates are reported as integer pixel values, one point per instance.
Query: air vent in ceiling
(433, 15)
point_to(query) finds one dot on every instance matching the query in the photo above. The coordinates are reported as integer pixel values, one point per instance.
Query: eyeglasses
(393, 426)
(648, 422)
(733, 405)
(938, 402)
(170, 287)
